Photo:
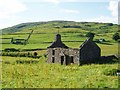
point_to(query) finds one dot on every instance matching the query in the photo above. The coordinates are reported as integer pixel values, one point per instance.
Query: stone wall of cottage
(89, 52)
(63, 56)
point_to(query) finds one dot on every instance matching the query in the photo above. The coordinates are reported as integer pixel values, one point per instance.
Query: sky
(13, 12)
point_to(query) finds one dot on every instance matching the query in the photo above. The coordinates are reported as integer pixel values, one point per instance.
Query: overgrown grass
(43, 75)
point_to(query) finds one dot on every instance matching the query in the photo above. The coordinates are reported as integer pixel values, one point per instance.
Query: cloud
(70, 11)
(9, 10)
(59, 1)
(53, 1)
(104, 19)
(42, 1)
(10, 7)
(113, 7)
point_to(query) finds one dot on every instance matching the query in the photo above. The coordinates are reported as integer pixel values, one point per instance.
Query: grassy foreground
(42, 75)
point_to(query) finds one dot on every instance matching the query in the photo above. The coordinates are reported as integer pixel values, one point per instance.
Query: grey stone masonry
(58, 52)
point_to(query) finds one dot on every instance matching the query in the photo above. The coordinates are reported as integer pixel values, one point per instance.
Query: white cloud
(9, 10)
(42, 1)
(113, 7)
(70, 11)
(59, 1)
(52, 1)
(10, 7)
(104, 19)
(11, 21)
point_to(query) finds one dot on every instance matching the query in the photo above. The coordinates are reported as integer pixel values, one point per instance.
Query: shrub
(116, 36)
(35, 54)
(112, 72)
(7, 62)
(109, 24)
(26, 62)
(45, 55)
(69, 26)
(10, 49)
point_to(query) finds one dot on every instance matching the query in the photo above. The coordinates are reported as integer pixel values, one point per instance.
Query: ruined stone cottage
(58, 52)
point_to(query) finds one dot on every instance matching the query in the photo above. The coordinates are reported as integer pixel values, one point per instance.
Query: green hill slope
(73, 34)
(88, 26)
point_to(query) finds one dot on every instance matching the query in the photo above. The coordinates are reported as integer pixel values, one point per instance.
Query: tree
(90, 35)
(35, 54)
(116, 36)
(109, 24)
(12, 40)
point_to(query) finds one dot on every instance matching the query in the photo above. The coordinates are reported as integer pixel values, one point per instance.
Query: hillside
(88, 26)
(73, 34)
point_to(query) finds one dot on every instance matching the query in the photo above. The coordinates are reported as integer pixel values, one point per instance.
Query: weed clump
(26, 62)
(112, 72)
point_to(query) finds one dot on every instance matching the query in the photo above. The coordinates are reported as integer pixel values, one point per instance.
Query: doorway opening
(71, 59)
(62, 60)
(53, 59)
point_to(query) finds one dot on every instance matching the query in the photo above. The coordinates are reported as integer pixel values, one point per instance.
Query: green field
(43, 75)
